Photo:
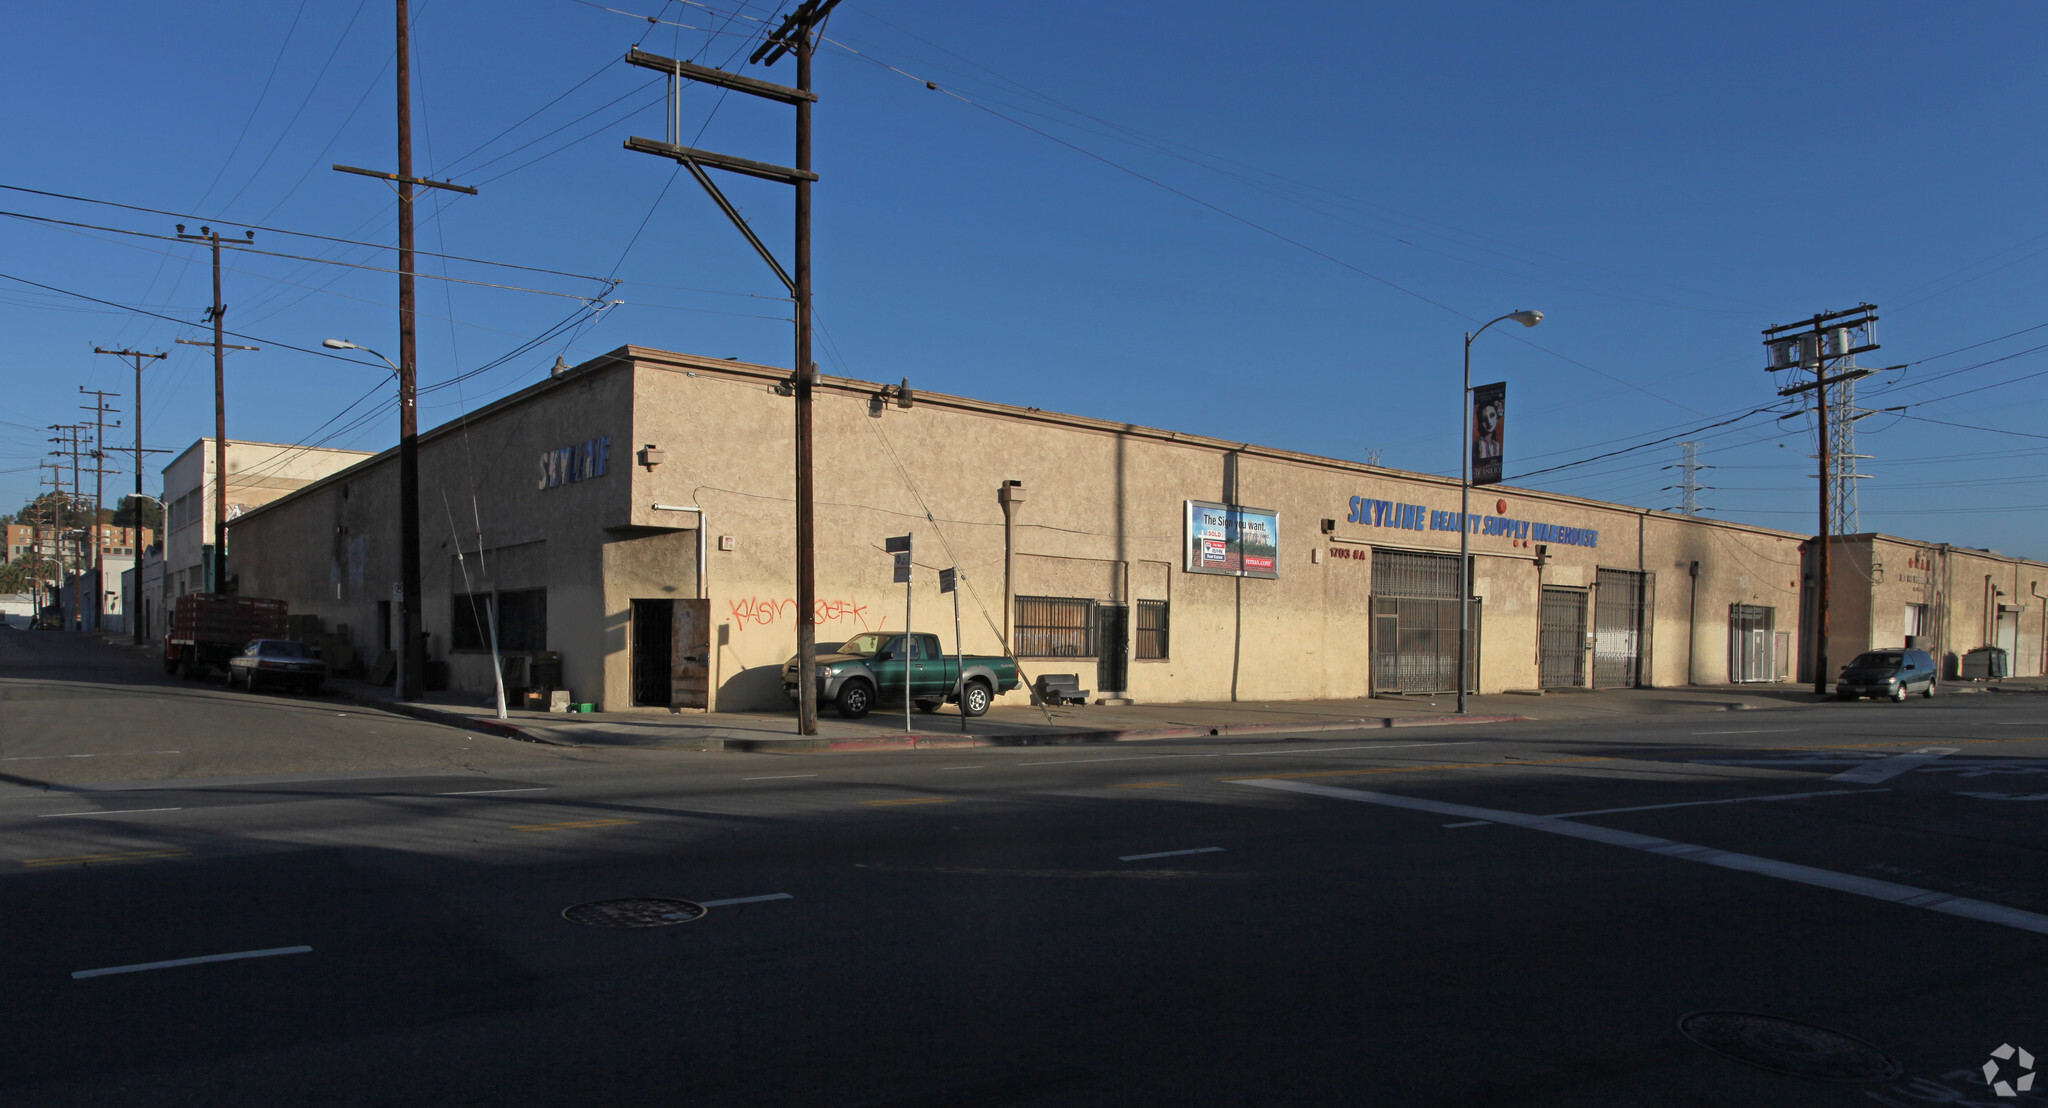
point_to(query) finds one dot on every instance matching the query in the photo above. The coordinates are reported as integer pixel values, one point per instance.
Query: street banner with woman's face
(1489, 442)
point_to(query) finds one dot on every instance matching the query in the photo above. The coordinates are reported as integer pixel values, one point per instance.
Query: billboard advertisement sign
(1232, 540)
(1489, 432)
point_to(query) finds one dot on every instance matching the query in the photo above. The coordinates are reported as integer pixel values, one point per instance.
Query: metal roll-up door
(1561, 634)
(1415, 624)
(1618, 630)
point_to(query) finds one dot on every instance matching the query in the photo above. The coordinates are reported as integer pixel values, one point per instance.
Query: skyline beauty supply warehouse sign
(1232, 540)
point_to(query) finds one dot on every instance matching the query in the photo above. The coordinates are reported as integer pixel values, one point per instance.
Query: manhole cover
(1790, 1047)
(634, 911)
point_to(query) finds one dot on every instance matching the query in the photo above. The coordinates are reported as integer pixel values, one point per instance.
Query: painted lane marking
(2008, 796)
(237, 956)
(1689, 804)
(911, 800)
(1726, 859)
(573, 824)
(1147, 785)
(118, 812)
(1335, 749)
(965, 767)
(1245, 754)
(1171, 853)
(1412, 769)
(779, 777)
(1891, 767)
(745, 900)
(88, 859)
(112, 754)
(487, 792)
(1770, 731)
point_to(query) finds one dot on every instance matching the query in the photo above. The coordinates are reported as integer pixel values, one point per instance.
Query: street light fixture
(411, 672)
(1527, 318)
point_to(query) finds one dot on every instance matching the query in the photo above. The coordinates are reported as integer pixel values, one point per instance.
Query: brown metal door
(690, 665)
(1561, 637)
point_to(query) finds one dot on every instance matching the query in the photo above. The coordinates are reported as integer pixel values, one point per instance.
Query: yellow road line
(82, 859)
(577, 823)
(1411, 769)
(912, 800)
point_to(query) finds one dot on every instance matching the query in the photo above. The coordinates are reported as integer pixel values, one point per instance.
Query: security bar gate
(1618, 629)
(1415, 624)
(1750, 644)
(1561, 637)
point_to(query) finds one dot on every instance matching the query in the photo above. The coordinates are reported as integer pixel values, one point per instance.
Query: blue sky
(1262, 226)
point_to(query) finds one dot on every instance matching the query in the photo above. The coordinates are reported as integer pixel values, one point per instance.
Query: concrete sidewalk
(1007, 725)
(1013, 725)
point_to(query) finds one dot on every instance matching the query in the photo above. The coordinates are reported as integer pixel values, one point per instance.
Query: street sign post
(949, 581)
(899, 545)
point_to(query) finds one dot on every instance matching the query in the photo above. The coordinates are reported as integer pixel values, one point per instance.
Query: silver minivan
(1891, 673)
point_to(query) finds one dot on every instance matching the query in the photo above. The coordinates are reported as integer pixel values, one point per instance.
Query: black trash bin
(544, 672)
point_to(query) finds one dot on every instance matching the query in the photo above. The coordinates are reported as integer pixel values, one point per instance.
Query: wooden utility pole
(134, 618)
(412, 659)
(217, 314)
(70, 437)
(794, 36)
(99, 410)
(1811, 345)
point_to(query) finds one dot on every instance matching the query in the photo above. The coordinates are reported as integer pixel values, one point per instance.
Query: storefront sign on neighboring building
(575, 463)
(1233, 540)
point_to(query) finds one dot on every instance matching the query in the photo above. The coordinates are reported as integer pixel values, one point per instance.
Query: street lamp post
(411, 669)
(1527, 318)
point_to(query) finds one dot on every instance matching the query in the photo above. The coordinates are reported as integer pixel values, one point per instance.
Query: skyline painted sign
(1419, 517)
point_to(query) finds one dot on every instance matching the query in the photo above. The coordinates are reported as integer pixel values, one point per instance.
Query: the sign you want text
(1418, 517)
(580, 462)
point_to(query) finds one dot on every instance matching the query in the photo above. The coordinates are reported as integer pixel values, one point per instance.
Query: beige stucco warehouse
(566, 502)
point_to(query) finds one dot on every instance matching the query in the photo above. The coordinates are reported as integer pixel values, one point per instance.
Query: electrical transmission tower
(1688, 486)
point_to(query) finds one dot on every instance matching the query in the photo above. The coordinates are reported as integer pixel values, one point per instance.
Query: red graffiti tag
(764, 610)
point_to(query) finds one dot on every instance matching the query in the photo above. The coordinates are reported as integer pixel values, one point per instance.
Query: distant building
(258, 473)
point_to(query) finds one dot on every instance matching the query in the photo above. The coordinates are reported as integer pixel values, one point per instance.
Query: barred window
(522, 621)
(470, 622)
(1055, 627)
(1152, 629)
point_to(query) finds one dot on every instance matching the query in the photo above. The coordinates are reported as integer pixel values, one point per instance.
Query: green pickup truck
(867, 670)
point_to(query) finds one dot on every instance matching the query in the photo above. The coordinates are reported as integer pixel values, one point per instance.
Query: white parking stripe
(1171, 853)
(745, 900)
(120, 812)
(1726, 859)
(1888, 768)
(1689, 804)
(141, 966)
(488, 792)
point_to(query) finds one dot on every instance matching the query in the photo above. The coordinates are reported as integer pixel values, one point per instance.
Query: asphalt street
(359, 908)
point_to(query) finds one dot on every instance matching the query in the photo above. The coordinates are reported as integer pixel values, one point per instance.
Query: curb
(1079, 738)
(449, 719)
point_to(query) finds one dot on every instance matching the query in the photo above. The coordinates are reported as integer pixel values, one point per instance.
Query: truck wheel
(930, 706)
(855, 698)
(977, 698)
(170, 665)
